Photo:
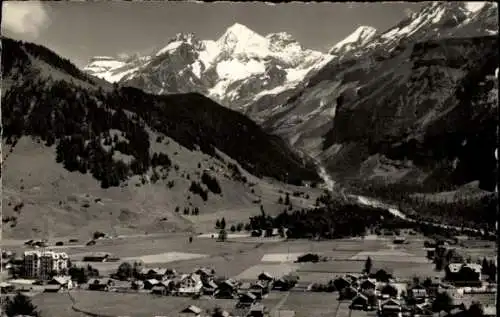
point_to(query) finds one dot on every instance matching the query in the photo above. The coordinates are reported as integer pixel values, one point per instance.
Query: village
(369, 290)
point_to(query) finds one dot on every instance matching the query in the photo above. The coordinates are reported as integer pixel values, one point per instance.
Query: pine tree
(20, 305)
(287, 199)
(217, 224)
(368, 265)
(223, 223)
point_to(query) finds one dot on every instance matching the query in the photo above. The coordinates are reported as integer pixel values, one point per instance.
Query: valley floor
(244, 258)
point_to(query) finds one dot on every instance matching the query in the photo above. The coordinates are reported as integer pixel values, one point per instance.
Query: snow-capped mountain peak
(240, 39)
(358, 38)
(233, 69)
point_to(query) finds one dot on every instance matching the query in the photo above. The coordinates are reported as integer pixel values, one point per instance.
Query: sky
(80, 30)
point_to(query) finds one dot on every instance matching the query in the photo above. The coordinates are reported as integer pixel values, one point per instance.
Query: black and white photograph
(249, 159)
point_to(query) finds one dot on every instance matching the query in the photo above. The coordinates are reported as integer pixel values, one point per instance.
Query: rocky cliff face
(367, 115)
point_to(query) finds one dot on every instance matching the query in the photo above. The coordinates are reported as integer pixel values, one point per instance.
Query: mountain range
(296, 93)
(214, 128)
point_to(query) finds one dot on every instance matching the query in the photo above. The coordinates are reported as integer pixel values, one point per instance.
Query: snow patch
(474, 6)
(170, 47)
(196, 67)
(235, 69)
(361, 35)
(209, 54)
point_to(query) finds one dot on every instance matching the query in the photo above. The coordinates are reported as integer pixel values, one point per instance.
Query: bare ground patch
(276, 270)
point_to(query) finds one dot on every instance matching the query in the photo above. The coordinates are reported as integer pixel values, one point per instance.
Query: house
(418, 292)
(190, 284)
(42, 264)
(259, 289)
(264, 276)
(162, 288)
(96, 257)
(256, 310)
(149, 284)
(341, 282)
(475, 271)
(6, 288)
(352, 278)
(247, 299)
(389, 291)
(100, 284)
(226, 289)
(209, 288)
(137, 285)
(381, 275)
(205, 273)
(459, 272)
(359, 302)
(368, 284)
(285, 283)
(63, 281)
(422, 310)
(348, 293)
(399, 240)
(391, 308)
(153, 273)
(192, 311)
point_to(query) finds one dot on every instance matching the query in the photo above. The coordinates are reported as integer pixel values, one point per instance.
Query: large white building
(38, 264)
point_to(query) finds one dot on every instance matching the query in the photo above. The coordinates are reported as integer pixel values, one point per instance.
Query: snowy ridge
(239, 65)
(358, 38)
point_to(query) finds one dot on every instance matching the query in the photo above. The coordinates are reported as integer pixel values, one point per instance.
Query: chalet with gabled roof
(247, 298)
(341, 283)
(359, 302)
(368, 284)
(391, 308)
(226, 289)
(264, 276)
(192, 310)
(149, 284)
(190, 284)
(64, 281)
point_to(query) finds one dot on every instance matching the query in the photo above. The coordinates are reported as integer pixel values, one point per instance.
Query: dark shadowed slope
(56, 109)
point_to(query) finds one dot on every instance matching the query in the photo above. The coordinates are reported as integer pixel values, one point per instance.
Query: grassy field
(55, 304)
(312, 304)
(137, 305)
(73, 205)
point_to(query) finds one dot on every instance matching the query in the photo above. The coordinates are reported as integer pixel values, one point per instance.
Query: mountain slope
(101, 148)
(230, 70)
(355, 40)
(407, 81)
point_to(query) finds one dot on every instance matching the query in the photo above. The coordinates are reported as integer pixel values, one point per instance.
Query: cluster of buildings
(395, 299)
(202, 282)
